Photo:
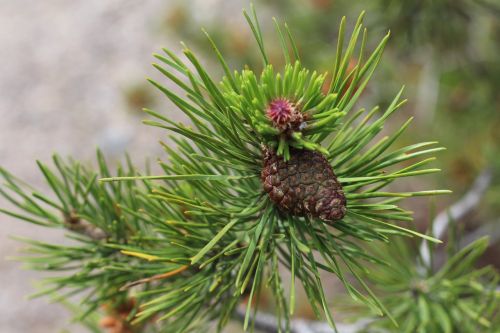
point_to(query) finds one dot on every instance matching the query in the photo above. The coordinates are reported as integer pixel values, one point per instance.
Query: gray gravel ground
(63, 68)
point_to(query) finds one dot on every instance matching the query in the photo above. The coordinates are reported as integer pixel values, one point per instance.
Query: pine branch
(267, 323)
(437, 299)
(276, 170)
(459, 209)
(489, 229)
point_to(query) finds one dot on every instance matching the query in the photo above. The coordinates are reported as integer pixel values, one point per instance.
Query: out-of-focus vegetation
(454, 297)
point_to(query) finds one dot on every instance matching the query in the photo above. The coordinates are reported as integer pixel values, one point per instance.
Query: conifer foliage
(186, 247)
(455, 297)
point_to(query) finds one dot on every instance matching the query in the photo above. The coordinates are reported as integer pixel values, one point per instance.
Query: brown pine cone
(303, 186)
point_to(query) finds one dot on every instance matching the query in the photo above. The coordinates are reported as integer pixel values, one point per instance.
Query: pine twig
(459, 209)
(488, 229)
(267, 323)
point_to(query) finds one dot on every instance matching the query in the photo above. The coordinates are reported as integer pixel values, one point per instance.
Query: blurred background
(72, 77)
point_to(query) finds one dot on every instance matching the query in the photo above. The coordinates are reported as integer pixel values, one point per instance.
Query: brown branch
(74, 223)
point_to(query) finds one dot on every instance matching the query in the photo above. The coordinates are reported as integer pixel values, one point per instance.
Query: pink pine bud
(280, 111)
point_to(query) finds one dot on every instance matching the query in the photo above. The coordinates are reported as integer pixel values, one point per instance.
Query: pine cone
(303, 186)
